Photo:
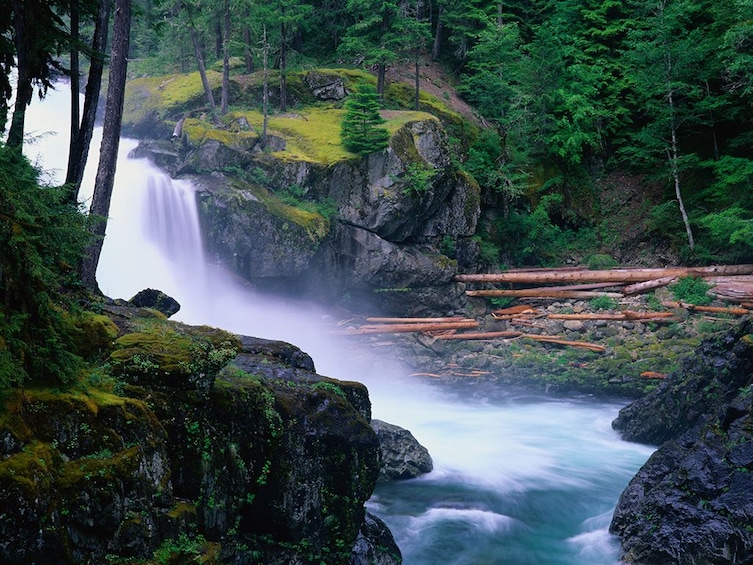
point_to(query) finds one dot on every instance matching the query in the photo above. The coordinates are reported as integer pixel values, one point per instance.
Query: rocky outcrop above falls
(272, 464)
(385, 232)
(690, 503)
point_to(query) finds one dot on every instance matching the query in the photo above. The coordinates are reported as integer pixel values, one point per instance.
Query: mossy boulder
(173, 356)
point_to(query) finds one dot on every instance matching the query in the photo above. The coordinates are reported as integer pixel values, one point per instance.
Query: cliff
(301, 214)
(690, 503)
(262, 461)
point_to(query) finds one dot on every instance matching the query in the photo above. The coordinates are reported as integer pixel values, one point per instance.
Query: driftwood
(543, 293)
(417, 320)
(653, 375)
(712, 309)
(625, 315)
(602, 276)
(641, 287)
(482, 335)
(415, 327)
(560, 341)
(513, 310)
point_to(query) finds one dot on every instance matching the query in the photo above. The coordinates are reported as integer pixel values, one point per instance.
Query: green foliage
(692, 290)
(42, 238)
(360, 131)
(417, 178)
(604, 303)
(180, 550)
(600, 261)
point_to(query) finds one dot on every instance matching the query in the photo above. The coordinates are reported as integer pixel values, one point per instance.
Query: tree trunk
(110, 142)
(80, 149)
(418, 80)
(265, 86)
(381, 73)
(247, 49)
(24, 89)
(225, 102)
(437, 36)
(75, 78)
(283, 67)
(674, 166)
(203, 74)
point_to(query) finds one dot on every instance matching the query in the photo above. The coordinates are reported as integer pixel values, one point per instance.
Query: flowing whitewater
(518, 479)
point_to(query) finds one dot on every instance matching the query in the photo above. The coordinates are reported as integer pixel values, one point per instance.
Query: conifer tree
(361, 133)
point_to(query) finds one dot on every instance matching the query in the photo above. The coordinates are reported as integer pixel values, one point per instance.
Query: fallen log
(606, 275)
(653, 375)
(408, 328)
(417, 320)
(543, 293)
(640, 288)
(712, 309)
(513, 310)
(626, 315)
(482, 335)
(560, 341)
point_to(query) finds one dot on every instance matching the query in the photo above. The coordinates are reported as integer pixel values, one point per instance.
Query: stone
(573, 325)
(157, 300)
(402, 457)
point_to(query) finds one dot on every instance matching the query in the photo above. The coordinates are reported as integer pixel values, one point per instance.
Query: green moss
(29, 470)
(164, 95)
(91, 334)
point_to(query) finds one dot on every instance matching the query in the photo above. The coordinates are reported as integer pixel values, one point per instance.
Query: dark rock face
(272, 465)
(690, 503)
(375, 544)
(402, 457)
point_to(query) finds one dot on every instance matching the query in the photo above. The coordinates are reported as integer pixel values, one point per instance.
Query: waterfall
(518, 479)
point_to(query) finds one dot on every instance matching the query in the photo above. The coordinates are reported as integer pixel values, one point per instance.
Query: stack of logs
(730, 282)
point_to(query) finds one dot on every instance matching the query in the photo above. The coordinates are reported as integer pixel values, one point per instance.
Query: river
(519, 479)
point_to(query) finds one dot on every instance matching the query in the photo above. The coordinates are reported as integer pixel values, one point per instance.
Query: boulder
(157, 300)
(325, 86)
(402, 457)
(690, 502)
(375, 544)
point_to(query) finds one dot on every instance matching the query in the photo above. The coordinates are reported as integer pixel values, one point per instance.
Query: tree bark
(437, 36)
(247, 49)
(225, 101)
(542, 293)
(203, 74)
(24, 89)
(79, 152)
(110, 141)
(642, 287)
(283, 67)
(265, 86)
(381, 74)
(75, 77)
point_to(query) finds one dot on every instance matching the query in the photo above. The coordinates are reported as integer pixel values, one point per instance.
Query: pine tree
(360, 131)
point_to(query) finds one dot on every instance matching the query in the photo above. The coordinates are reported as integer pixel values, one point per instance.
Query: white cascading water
(518, 480)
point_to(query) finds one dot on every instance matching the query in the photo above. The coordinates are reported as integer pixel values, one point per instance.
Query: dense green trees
(361, 133)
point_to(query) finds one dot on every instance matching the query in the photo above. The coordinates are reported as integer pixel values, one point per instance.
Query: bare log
(653, 375)
(543, 293)
(712, 309)
(407, 328)
(513, 310)
(639, 288)
(626, 315)
(482, 335)
(608, 275)
(560, 341)
(417, 320)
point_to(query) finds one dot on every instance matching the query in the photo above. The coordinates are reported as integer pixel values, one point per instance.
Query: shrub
(691, 290)
(599, 261)
(604, 303)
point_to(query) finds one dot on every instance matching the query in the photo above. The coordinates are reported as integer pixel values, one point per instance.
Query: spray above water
(517, 480)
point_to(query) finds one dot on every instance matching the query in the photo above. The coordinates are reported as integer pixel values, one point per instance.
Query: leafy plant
(417, 179)
(600, 261)
(604, 303)
(691, 290)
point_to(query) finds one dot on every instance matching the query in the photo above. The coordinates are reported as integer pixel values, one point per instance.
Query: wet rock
(688, 503)
(157, 300)
(375, 544)
(402, 457)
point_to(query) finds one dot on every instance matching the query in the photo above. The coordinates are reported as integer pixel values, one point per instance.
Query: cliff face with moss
(263, 461)
(303, 214)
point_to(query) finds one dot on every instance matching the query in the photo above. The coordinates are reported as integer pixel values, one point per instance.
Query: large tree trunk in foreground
(108, 157)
